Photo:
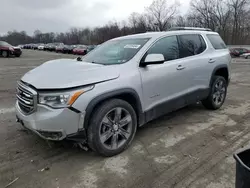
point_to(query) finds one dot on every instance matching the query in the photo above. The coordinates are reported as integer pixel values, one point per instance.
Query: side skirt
(175, 104)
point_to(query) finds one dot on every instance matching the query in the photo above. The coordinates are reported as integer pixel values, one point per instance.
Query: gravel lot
(192, 147)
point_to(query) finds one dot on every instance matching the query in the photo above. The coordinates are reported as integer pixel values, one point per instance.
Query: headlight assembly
(63, 99)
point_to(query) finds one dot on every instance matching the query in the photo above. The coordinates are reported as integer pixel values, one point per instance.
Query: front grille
(27, 98)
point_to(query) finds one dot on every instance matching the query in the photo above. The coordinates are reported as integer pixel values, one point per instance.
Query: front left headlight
(61, 100)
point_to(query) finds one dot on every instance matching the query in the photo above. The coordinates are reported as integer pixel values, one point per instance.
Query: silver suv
(101, 99)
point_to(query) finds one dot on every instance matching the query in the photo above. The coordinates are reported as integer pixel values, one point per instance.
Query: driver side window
(167, 46)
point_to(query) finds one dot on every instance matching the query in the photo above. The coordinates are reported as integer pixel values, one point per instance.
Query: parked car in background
(102, 98)
(35, 46)
(237, 52)
(80, 50)
(53, 46)
(68, 49)
(27, 46)
(20, 46)
(41, 47)
(59, 48)
(234, 52)
(7, 50)
(46, 47)
(246, 55)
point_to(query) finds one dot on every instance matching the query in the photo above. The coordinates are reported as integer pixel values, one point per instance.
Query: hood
(68, 73)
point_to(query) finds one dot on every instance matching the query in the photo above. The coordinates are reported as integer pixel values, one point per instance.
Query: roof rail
(189, 28)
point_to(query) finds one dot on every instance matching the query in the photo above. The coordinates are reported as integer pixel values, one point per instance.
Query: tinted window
(191, 45)
(167, 46)
(217, 42)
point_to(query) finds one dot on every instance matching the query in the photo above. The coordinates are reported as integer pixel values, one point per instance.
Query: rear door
(195, 59)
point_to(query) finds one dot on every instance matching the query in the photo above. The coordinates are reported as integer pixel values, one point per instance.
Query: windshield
(115, 51)
(2, 43)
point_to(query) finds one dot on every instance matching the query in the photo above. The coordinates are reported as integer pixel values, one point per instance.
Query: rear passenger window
(191, 45)
(217, 42)
(167, 46)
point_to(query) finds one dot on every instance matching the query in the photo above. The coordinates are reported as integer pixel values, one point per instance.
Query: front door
(165, 82)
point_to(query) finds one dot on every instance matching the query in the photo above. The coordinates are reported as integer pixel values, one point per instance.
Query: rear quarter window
(216, 41)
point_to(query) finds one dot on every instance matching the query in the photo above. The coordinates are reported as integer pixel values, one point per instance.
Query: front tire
(5, 54)
(217, 94)
(112, 127)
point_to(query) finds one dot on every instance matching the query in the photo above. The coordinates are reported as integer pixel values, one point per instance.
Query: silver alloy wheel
(219, 93)
(115, 128)
(4, 53)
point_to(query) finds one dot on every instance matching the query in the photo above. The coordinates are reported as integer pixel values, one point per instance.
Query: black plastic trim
(74, 110)
(113, 94)
(176, 103)
(214, 71)
(80, 136)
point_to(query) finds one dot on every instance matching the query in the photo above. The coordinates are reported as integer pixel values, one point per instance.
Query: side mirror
(79, 58)
(153, 59)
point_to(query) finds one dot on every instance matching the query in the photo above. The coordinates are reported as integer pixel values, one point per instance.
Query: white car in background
(246, 55)
(41, 47)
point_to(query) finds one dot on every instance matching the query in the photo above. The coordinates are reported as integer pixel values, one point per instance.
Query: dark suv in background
(68, 49)
(7, 50)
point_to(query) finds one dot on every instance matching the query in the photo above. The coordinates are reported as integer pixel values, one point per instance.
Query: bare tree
(161, 14)
(222, 14)
(228, 17)
(239, 9)
(203, 12)
(181, 21)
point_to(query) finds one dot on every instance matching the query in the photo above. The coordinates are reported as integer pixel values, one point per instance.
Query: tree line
(230, 18)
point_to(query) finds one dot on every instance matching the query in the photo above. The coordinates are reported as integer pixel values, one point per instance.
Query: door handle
(211, 61)
(180, 67)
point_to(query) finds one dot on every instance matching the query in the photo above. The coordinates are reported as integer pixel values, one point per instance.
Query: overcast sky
(60, 15)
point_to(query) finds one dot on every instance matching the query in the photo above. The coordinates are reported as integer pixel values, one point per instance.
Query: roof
(164, 33)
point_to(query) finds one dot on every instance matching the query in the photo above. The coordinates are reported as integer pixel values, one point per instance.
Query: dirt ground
(192, 147)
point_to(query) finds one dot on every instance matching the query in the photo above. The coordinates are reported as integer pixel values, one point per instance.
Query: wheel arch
(127, 94)
(220, 70)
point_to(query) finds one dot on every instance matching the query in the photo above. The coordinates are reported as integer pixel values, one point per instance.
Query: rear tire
(217, 94)
(110, 133)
